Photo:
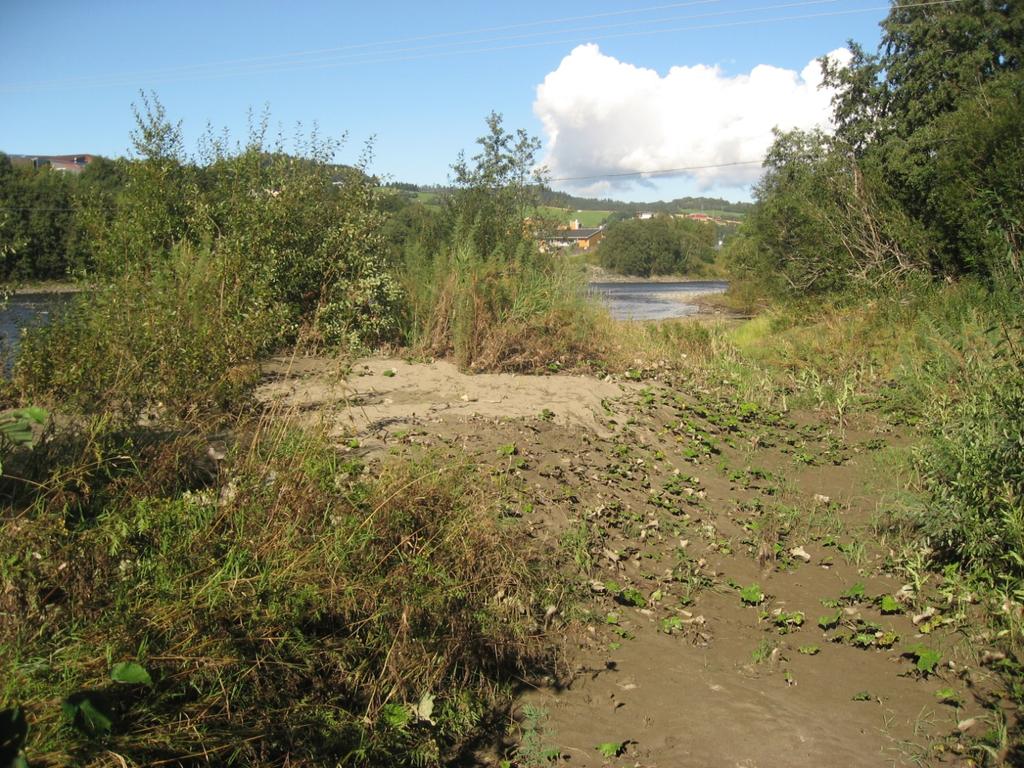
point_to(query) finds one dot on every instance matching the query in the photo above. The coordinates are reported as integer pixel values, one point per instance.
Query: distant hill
(562, 200)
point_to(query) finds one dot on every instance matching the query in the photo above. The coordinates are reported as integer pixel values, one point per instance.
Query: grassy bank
(271, 606)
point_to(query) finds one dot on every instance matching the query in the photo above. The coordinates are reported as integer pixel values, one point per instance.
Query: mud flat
(732, 598)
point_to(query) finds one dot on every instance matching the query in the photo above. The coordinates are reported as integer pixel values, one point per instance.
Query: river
(24, 311)
(653, 300)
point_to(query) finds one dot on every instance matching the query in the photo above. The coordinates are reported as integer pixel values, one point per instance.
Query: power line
(399, 41)
(416, 53)
(574, 41)
(353, 46)
(354, 58)
(312, 63)
(659, 172)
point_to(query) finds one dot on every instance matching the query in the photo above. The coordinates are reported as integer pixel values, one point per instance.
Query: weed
(752, 595)
(763, 652)
(535, 749)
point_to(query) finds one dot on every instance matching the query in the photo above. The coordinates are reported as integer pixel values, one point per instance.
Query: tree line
(661, 245)
(924, 173)
(43, 233)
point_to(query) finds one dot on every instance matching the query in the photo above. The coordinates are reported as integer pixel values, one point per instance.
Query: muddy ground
(737, 595)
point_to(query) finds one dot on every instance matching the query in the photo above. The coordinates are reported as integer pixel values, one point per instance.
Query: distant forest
(565, 200)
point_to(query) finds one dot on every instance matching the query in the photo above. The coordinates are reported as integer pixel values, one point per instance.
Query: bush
(200, 269)
(972, 465)
(825, 222)
(663, 245)
(179, 340)
(530, 314)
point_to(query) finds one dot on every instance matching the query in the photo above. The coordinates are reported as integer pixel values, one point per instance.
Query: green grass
(565, 215)
(288, 610)
(427, 198)
(716, 214)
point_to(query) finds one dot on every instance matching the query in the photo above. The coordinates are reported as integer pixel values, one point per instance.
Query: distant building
(583, 238)
(62, 163)
(644, 215)
(699, 217)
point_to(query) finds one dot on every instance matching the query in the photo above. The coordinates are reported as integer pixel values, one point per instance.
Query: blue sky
(420, 77)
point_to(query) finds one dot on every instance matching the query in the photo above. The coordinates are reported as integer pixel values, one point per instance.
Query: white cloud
(604, 116)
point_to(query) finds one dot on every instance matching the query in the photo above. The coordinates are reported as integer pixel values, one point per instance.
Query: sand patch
(385, 393)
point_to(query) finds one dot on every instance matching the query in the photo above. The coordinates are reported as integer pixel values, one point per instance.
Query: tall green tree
(897, 106)
(497, 189)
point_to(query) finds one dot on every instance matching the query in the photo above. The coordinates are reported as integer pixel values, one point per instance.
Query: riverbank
(706, 550)
(598, 274)
(697, 560)
(36, 288)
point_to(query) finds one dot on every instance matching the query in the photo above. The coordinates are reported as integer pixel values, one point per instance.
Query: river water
(655, 301)
(28, 310)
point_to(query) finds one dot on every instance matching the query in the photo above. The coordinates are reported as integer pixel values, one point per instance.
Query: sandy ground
(664, 492)
(385, 394)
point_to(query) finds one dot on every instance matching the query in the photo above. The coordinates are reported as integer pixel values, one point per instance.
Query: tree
(37, 221)
(663, 245)
(498, 188)
(930, 59)
(897, 108)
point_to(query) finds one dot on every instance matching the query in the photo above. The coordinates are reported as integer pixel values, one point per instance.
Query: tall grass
(178, 340)
(526, 312)
(282, 608)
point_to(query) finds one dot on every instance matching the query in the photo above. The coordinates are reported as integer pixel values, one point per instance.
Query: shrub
(972, 466)
(179, 340)
(528, 314)
(203, 267)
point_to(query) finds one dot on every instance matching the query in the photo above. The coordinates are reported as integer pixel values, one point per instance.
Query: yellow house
(579, 237)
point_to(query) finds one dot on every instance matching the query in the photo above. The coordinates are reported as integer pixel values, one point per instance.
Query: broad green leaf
(634, 596)
(130, 672)
(948, 696)
(889, 604)
(85, 716)
(35, 413)
(854, 593)
(752, 595)
(926, 658)
(611, 748)
(830, 621)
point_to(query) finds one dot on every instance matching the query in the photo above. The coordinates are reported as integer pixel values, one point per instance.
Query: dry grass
(288, 609)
